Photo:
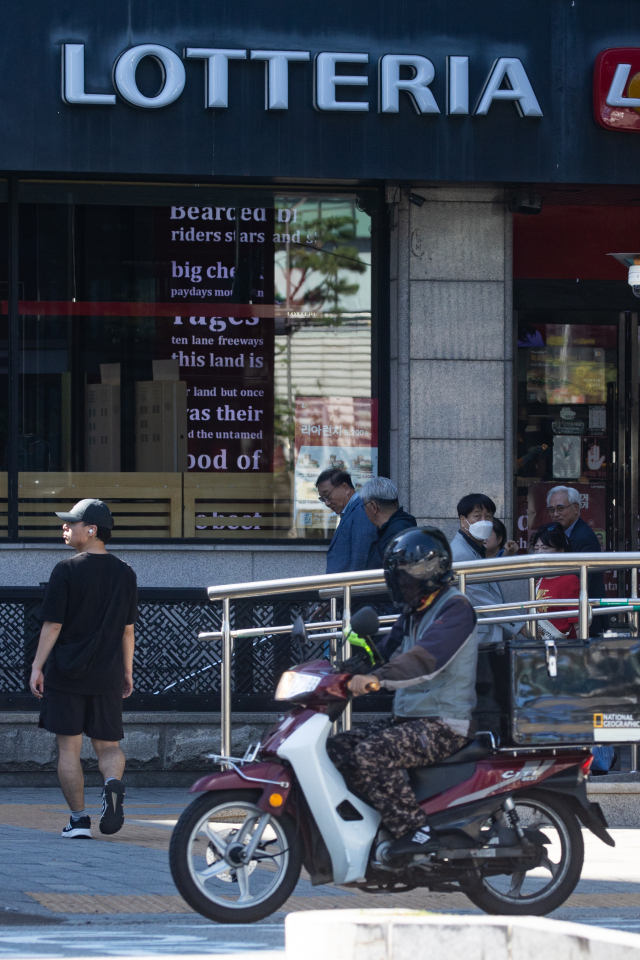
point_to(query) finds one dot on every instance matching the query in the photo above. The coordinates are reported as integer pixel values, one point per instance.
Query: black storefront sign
(428, 89)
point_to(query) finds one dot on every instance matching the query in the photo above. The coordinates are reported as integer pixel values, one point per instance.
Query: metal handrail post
(333, 642)
(583, 603)
(225, 681)
(462, 582)
(333, 647)
(634, 629)
(346, 648)
(533, 624)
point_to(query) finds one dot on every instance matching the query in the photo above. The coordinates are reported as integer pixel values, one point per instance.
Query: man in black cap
(83, 666)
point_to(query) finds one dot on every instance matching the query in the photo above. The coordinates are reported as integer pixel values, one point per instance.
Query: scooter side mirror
(365, 622)
(299, 636)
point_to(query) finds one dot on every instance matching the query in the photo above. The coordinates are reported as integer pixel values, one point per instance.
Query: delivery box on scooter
(562, 691)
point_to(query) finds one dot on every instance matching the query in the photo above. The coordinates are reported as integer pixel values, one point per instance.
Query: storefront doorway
(576, 390)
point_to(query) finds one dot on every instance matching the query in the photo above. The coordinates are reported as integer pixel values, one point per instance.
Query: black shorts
(69, 714)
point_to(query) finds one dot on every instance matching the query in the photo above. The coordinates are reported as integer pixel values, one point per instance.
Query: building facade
(238, 248)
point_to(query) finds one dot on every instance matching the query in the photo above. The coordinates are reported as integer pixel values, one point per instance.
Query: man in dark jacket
(380, 499)
(354, 535)
(563, 504)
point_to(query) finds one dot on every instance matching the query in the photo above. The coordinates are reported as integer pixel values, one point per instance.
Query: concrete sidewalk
(115, 896)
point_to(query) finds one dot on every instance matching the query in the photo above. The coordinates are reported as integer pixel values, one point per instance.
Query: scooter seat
(473, 751)
(438, 777)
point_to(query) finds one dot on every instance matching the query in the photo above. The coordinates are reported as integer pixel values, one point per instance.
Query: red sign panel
(616, 89)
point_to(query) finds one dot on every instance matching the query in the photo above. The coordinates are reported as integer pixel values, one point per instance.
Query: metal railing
(371, 582)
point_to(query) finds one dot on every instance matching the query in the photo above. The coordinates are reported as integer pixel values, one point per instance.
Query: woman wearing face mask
(550, 538)
(476, 512)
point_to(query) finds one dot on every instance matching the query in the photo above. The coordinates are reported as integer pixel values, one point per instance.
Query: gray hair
(381, 490)
(572, 495)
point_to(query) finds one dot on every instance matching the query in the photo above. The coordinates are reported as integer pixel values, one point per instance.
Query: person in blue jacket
(349, 548)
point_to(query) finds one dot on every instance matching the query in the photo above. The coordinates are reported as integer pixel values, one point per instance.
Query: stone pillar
(451, 350)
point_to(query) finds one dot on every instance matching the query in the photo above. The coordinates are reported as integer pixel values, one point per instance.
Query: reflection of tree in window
(317, 257)
(314, 271)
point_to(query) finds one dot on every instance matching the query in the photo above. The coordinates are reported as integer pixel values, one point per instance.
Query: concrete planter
(413, 935)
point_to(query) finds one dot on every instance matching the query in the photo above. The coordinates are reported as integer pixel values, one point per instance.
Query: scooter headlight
(295, 684)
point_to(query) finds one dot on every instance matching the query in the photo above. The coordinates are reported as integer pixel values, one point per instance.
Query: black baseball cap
(89, 511)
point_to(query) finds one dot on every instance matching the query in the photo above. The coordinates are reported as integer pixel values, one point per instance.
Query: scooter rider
(431, 656)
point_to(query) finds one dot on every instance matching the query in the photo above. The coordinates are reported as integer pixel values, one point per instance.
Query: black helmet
(416, 563)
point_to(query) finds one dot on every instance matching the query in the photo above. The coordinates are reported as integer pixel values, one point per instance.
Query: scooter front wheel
(231, 861)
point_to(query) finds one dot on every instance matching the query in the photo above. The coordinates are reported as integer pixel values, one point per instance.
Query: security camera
(634, 279)
(632, 262)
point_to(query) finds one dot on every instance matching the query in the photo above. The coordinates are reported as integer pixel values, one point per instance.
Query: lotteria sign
(365, 91)
(616, 89)
(335, 74)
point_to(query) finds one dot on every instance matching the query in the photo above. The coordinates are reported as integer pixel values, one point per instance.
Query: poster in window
(209, 256)
(567, 457)
(594, 457)
(337, 432)
(562, 373)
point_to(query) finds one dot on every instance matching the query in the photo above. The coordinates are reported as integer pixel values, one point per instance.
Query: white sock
(109, 778)
(76, 814)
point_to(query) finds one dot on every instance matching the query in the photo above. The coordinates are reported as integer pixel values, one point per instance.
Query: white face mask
(481, 529)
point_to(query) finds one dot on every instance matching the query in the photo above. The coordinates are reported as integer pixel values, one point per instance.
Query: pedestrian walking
(349, 548)
(83, 666)
(382, 507)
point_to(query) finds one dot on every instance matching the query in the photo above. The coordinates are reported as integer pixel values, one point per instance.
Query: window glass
(193, 356)
(567, 381)
(4, 355)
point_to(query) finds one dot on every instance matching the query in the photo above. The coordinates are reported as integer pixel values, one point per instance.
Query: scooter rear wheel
(231, 861)
(537, 891)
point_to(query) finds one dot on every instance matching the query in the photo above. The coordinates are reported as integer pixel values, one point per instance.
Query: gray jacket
(483, 594)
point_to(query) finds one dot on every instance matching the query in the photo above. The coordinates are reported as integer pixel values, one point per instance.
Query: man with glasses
(349, 548)
(563, 504)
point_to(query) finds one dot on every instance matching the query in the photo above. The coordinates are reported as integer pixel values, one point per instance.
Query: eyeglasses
(324, 499)
(560, 508)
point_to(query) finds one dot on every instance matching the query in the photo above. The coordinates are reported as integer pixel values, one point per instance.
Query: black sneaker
(417, 841)
(79, 829)
(112, 815)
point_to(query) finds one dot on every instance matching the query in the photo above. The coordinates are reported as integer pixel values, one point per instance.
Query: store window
(4, 358)
(194, 356)
(577, 377)
(567, 396)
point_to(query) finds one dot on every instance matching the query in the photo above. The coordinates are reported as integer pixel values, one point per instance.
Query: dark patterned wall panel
(169, 658)
(12, 647)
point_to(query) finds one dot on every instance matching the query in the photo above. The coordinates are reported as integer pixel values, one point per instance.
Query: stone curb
(413, 935)
(604, 788)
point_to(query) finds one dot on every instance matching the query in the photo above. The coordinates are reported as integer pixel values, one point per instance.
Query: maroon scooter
(507, 820)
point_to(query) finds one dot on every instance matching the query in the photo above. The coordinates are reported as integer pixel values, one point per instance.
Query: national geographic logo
(615, 720)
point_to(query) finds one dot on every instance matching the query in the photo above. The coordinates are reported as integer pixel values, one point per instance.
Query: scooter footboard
(271, 780)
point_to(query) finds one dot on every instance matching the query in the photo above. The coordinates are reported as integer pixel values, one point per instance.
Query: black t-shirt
(77, 596)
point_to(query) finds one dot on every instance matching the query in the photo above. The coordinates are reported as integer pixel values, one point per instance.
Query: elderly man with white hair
(563, 504)
(381, 505)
